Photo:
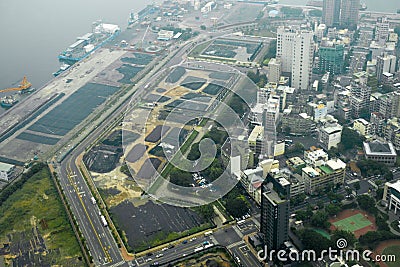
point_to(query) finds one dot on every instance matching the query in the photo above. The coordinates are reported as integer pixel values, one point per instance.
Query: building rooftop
(326, 169)
(333, 129)
(310, 171)
(5, 167)
(256, 133)
(395, 185)
(272, 195)
(361, 120)
(379, 148)
(336, 164)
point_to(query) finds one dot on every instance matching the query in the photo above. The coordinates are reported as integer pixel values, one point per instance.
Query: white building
(385, 63)
(315, 158)
(330, 136)
(380, 152)
(362, 126)
(207, 7)
(284, 47)
(274, 70)
(302, 61)
(318, 111)
(164, 35)
(391, 195)
(6, 171)
(382, 30)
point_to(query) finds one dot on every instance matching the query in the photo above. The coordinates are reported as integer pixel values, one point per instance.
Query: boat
(63, 68)
(88, 43)
(363, 6)
(8, 101)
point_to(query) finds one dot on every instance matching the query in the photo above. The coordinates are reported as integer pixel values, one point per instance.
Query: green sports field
(353, 223)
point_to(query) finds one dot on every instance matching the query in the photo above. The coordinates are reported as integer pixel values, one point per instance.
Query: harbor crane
(23, 86)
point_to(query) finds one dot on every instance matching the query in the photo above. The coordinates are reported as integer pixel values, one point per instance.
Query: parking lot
(150, 222)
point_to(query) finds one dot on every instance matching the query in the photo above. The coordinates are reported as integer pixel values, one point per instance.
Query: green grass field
(353, 223)
(38, 200)
(392, 250)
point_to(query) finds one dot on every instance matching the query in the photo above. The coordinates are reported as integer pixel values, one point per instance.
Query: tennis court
(353, 223)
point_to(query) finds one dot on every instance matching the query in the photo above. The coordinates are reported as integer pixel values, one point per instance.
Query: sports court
(356, 221)
(353, 223)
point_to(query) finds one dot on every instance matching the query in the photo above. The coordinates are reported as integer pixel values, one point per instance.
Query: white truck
(93, 200)
(104, 221)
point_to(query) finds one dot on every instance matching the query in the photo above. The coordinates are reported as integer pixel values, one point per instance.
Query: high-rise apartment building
(385, 63)
(331, 57)
(359, 99)
(284, 47)
(275, 200)
(349, 14)
(331, 12)
(382, 30)
(274, 70)
(295, 49)
(302, 61)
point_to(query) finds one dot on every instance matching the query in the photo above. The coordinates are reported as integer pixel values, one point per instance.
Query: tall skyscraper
(349, 14)
(284, 47)
(275, 200)
(331, 57)
(382, 30)
(331, 12)
(302, 61)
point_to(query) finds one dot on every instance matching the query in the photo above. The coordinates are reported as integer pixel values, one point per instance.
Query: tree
(349, 236)
(203, 27)
(367, 203)
(237, 207)
(287, 130)
(320, 219)
(379, 193)
(296, 200)
(332, 209)
(313, 240)
(357, 186)
(351, 139)
(180, 177)
(206, 211)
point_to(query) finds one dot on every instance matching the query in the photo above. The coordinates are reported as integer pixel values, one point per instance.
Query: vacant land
(35, 212)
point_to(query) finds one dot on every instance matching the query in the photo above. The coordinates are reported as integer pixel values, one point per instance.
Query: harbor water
(35, 32)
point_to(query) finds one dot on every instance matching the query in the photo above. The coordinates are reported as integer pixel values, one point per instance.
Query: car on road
(149, 259)
(171, 246)
(159, 255)
(184, 242)
(149, 254)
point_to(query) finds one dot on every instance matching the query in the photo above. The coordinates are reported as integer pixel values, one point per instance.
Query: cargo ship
(87, 44)
(9, 101)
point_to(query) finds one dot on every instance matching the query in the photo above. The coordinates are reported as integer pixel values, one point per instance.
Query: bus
(104, 221)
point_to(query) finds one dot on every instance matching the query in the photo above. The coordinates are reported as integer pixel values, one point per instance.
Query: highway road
(99, 239)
